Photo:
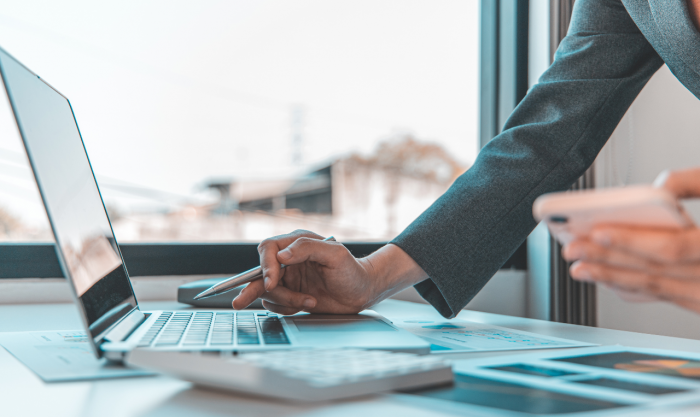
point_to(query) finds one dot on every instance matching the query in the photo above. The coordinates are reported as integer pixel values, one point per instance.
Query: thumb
(314, 250)
(682, 184)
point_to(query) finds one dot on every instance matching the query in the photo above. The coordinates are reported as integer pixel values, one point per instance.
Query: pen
(236, 281)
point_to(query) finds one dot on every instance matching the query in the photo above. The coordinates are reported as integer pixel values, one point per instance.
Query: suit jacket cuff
(430, 289)
(431, 293)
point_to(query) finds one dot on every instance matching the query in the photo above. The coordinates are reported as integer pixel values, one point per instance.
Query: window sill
(56, 290)
(504, 294)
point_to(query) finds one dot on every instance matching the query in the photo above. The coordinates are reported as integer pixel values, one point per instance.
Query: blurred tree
(408, 156)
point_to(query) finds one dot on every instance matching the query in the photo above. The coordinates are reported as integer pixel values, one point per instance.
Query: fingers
(250, 293)
(314, 250)
(289, 299)
(268, 249)
(280, 297)
(591, 252)
(275, 308)
(662, 287)
(683, 184)
(657, 245)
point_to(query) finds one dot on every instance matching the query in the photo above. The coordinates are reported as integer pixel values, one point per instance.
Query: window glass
(238, 120)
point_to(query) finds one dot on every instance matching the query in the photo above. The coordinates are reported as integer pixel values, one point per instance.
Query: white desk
(24, 394)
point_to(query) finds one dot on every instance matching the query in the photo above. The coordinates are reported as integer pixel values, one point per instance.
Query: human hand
(644, 264)
(322, 277)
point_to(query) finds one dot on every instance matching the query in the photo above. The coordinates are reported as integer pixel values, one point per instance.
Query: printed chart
(466, 336)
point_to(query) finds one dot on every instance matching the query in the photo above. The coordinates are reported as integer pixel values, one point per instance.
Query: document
(62, 356)
(604, 380)
(467, 336)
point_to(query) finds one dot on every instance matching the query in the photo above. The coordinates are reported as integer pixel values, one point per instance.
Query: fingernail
(309, 303)
(267, 284)
(601, 237)
(285, 254)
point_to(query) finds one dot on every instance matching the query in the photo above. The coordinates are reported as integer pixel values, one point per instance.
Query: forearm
(393, 271)
(550, 139)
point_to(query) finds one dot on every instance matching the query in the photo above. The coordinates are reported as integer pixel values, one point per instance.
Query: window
(238, 120)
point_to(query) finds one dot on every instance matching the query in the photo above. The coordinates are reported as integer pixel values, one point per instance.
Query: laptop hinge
(125, 327)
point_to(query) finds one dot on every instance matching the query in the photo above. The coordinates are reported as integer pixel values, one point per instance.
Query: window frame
(38, 260)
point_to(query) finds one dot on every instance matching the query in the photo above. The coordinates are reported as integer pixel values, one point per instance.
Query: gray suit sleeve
(550, 139)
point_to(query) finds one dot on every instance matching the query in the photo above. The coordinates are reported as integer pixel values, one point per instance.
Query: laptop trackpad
(360, 324)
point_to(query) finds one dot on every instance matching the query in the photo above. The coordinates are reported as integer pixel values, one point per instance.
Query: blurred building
(352, 198)
(12, 229)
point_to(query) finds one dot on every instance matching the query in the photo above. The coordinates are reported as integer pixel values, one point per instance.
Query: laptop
(93, 264)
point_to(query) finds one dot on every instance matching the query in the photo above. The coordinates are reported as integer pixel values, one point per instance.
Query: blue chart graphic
(443, 326)
(465, 336)
(503, 336)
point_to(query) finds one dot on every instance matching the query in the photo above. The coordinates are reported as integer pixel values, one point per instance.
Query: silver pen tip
(202, 294)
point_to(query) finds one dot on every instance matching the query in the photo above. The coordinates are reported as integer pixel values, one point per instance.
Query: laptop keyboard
(198, 329)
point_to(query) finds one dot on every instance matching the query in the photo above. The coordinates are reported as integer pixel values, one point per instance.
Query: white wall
(660, 131)
(503, 294)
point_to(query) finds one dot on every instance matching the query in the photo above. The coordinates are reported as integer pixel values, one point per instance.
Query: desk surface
(23, 393)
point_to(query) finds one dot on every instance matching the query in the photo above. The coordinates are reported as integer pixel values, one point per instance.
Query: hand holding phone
(574, 214)
(638, 240)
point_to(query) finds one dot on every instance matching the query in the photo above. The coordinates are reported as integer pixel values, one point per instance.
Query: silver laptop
(92, 262)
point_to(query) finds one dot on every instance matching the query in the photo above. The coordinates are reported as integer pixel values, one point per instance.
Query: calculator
(300, 375)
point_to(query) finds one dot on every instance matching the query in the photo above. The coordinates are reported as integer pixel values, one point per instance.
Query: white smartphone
(573, 214)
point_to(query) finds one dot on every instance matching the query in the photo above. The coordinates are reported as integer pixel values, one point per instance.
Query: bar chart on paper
(466, 336)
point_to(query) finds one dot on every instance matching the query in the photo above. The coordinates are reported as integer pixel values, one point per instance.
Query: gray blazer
(612, 49)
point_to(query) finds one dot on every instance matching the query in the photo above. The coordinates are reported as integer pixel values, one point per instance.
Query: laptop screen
(86, 247)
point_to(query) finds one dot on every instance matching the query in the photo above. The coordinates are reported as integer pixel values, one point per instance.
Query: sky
(169, 95)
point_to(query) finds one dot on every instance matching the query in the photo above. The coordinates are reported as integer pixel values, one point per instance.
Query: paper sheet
(467, 336)
(62, 356)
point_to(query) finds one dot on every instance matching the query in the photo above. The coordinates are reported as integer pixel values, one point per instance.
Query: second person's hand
(645, 264)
